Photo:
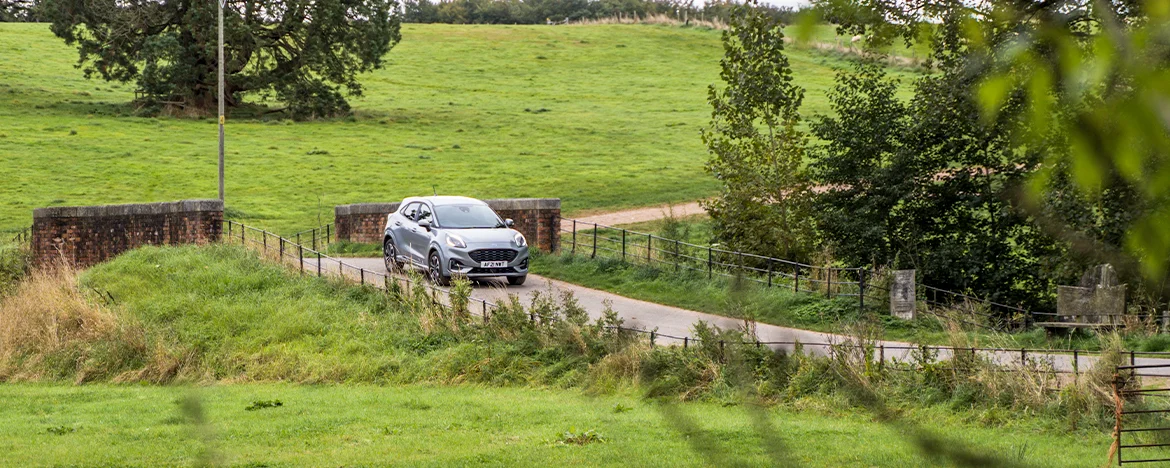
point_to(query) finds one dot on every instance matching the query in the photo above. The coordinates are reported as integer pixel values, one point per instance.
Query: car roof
(445, 200)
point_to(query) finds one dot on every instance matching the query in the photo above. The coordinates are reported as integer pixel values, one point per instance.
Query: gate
(1141, 431)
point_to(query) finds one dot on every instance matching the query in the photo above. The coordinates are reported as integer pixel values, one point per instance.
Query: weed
(262, 404)
(60, 430)
(620, 408)
(572, 437)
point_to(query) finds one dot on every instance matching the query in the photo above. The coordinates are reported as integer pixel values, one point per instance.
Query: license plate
(493, 264)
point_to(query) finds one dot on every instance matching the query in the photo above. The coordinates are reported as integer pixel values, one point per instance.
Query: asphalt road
(673, 321)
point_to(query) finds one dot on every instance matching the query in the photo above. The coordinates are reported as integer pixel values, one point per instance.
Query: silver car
(454, 236)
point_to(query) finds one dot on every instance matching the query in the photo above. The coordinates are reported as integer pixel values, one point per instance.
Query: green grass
(467, 425)
(458, 107)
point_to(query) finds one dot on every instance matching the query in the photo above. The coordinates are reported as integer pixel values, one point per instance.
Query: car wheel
(435, 270)
(390, 256)
(517, 280)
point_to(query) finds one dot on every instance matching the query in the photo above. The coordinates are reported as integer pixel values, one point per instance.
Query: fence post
(861, 290)
(686, 341)
(301, 258)
(1023, 357)
(574, 252)
(829, 283)
(328, 234)
(796, 279)
(652, 338)
(649, 242)
(1076, 364)
(677, 251)
(594, 254)
(1132, 361)
(318, 260)
(243, 231)
(281, 249)
(229, 223)
(264, 237)
(363, 273)
(722, 355)
(769, 272)
(623, 245)
(881, 357)
(708, 262)
(314, 238)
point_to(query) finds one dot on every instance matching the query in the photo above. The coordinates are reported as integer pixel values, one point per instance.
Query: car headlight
(455, 241)
(519, 240)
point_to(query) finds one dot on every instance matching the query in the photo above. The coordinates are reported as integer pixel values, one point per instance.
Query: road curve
(673, 321)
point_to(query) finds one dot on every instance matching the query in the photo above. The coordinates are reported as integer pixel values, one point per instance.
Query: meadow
(418, 425)
(601, 116)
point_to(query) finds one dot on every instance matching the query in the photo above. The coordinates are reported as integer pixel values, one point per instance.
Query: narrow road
(674, 321)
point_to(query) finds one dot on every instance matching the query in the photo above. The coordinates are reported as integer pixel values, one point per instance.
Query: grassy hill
(601, 116)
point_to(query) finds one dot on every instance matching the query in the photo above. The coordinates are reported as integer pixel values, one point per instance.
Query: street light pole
(221, 2)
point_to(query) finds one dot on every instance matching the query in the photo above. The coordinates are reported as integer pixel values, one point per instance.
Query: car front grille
(491, 271)
(493, 255)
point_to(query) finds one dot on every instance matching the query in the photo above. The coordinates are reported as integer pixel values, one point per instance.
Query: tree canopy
(303, 52)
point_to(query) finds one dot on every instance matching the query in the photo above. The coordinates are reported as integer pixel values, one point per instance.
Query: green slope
(601, 116)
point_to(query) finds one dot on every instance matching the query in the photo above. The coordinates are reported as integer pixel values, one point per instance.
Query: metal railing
(593, 239)
(310, 259)
(23, 236)
(320, 235)
(1154, 432)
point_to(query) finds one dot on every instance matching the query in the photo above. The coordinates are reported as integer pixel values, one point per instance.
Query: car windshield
(467, 217)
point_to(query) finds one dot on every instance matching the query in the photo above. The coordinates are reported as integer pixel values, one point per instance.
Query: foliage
(1068, 92)
(756, 146)
(20, 10)
(270, 46)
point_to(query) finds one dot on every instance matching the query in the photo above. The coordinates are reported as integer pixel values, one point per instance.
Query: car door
(420, 238)
(402, 226)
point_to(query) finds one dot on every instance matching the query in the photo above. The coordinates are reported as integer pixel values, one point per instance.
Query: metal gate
(1139, 432)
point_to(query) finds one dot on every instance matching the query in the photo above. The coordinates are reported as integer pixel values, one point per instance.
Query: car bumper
(460, 262)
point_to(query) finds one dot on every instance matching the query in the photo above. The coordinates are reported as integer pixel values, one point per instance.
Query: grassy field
(465, 425)
(603, 117)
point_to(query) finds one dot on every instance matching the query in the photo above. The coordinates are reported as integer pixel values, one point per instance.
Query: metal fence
(592, 239)
(1148, 439)
(290, 251)
(23, 236)
(321, 234)
(1013, 359)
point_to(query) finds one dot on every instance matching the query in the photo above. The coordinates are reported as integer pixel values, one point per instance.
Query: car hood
(478, 237)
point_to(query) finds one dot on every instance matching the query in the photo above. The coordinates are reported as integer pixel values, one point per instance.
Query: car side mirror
(508, 222)
(425, 224)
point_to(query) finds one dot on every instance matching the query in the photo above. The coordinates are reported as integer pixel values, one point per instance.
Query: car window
(467, 216)
(424, 212)
(410, 210)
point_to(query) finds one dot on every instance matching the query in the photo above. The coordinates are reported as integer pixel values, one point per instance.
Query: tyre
(517, 280)
(435, 270)
(390, 256)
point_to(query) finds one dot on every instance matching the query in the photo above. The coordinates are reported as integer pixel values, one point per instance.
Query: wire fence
(1061, 361)
(868, 286)
(23, 236)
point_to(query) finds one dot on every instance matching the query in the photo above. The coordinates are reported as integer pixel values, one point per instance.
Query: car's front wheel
(435, 270)
(390, 256)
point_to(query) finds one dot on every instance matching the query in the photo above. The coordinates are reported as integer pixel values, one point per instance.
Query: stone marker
(903, 297)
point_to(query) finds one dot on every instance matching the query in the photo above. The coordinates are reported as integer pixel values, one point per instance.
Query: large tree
(756, 145)
(305, 52)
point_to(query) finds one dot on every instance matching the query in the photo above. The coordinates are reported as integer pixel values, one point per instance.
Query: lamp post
(221, 3)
